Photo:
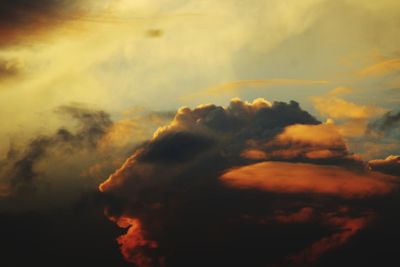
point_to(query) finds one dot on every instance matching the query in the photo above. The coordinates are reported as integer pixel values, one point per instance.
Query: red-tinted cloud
(285, 177)
(133, 245)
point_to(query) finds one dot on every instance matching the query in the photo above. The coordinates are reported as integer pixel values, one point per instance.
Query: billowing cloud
(206, 187)
(208, 128)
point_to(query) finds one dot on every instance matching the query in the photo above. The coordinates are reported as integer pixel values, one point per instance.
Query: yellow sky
(158, 54)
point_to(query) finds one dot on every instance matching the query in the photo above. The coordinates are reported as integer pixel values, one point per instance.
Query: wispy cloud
(236, 86)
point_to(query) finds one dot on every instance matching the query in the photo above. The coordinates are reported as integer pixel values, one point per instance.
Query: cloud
(206, 187)
(388, 122)
(381, 136)
(381, 68)
(390, 165)
(194, 131)
(134, 246)
(23, 20)
(302, 178)
(337, 108)
(235, 86)
(9, 69)
(137, 122)
(350, 119)
(323, 135)
(92, 125)
(154, 33)
(321, 143)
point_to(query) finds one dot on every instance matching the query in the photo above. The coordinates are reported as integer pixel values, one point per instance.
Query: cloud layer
(217, 184)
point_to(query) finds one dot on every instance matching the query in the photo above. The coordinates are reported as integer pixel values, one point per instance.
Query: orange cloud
(254, 154)
(353, 117)
(322, 154)
(338, 108)
(321, 141)
(284, 177)
(321, 134)
(381, 68)
(133, 242)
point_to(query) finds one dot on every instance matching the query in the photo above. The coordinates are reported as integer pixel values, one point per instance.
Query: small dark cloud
(154, 33)
(9, 69)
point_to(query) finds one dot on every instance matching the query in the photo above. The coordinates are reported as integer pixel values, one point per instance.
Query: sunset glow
(199, 133)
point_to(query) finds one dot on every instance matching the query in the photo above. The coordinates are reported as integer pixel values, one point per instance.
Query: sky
(199, 133)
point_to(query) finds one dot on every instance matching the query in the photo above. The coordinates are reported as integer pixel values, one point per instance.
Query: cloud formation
(215, 184)
(92, 126)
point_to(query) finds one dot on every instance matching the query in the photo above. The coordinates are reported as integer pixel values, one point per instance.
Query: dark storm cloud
(179, 211)
(91, 126)
(22, 20)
